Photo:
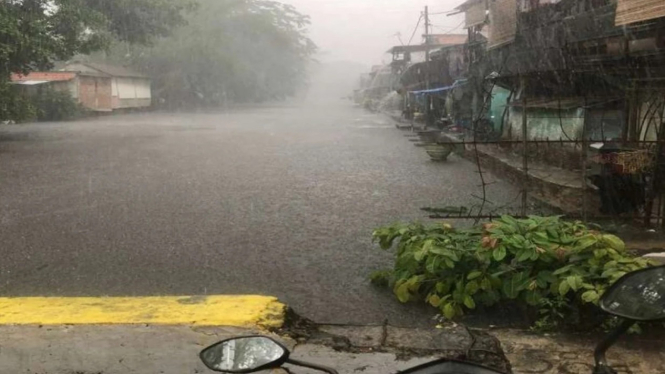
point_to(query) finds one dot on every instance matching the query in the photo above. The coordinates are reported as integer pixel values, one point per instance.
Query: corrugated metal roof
(564, 103)
(47, 76)
(503, 22)
(631, 11)
(112, 70)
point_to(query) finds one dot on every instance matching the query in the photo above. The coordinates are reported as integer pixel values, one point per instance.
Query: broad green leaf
(541, 236)
(443, 288)
(486, 284)
(588, 286)
(433, 264)
(591, 296)
(609, 273)
(510, 221)
(599, 253)
(512, 287)
(584, 244)
(546, 276)
(510, 290)
(525, 254)
(564, 287)
(552, 233)
(402, 292)
(496, 281)
(575, 282)
(562, 270)
(554, 288)
(610, 264)
(469, 303)
(474, 274)
(533, 297)
(435, 301)
(499, 254)
(566, 239)
(471, 288)
(614, 242)
(414, 283)
(449, 311)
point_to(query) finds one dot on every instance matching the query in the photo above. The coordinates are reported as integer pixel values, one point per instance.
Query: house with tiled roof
(128, 88)
(97, 87)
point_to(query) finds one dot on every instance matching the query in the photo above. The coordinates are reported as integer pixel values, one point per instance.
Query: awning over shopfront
(440, 89)
(632, 11)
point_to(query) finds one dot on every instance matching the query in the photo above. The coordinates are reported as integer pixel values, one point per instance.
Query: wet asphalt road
(279, 200)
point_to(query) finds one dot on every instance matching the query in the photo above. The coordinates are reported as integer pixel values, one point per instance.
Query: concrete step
(658, 257)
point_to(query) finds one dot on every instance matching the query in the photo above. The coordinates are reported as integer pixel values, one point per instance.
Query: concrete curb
(247, 311)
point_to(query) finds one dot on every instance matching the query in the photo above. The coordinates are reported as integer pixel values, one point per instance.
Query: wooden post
(584, 162)
(525, 162)
(428, 97)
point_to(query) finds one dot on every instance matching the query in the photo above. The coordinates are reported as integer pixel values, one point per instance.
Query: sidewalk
(165, 334)
(557, 188)
(132, 349)
(573, 353)
(350, 349)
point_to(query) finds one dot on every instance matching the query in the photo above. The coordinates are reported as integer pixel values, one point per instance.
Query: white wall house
(129, 89)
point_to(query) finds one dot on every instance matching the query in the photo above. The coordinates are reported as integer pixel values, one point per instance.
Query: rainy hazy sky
(362, 30)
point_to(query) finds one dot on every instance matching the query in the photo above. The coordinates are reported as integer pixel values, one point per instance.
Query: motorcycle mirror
(244, 355)
(638, 296)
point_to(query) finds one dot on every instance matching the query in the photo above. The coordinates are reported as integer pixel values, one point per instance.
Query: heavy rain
(355, 177)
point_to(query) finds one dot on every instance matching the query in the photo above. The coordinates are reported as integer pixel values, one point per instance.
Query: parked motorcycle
(636, 297)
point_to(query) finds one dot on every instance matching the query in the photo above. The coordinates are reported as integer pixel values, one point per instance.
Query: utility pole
(428, 99)
(426, 15)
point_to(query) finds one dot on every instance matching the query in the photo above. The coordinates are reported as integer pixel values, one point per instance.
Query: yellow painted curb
(240, 311)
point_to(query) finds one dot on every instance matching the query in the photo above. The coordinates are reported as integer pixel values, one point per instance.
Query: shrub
(555, 268)
(14, 106)
(53, 105)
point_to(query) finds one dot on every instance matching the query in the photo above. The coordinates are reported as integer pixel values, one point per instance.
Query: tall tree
(34, 33)
(230, 50)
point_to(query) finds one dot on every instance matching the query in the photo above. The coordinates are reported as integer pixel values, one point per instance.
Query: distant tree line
(198, 52)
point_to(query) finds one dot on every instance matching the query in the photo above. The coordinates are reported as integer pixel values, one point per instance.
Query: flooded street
(279, 200)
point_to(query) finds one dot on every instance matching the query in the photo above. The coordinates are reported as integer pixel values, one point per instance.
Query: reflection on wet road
(279, 200)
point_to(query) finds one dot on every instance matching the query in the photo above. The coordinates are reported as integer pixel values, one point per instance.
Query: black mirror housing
(243, 355)
(637, 296)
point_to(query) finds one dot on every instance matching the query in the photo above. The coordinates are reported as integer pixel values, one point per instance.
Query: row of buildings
(580, 72)
(97, 87)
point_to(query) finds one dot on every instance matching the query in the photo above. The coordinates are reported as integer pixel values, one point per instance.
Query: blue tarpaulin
(440, 89)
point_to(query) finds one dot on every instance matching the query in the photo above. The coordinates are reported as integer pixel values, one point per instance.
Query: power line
(447, 31)
(439, 13)
(415, 29)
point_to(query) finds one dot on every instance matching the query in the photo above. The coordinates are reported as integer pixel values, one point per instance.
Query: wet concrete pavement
(279, 200)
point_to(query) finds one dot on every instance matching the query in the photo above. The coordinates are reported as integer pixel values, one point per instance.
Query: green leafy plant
(554, 267)
(53, 105)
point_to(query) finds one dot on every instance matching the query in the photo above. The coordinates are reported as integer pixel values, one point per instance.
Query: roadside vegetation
(554, 271)
(36, 33)
(228, 51)
(197, 52)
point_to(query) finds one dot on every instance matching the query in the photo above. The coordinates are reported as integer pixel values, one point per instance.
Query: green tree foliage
(554, 267)
(230, 51)
(34, 33)
(53, 105)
